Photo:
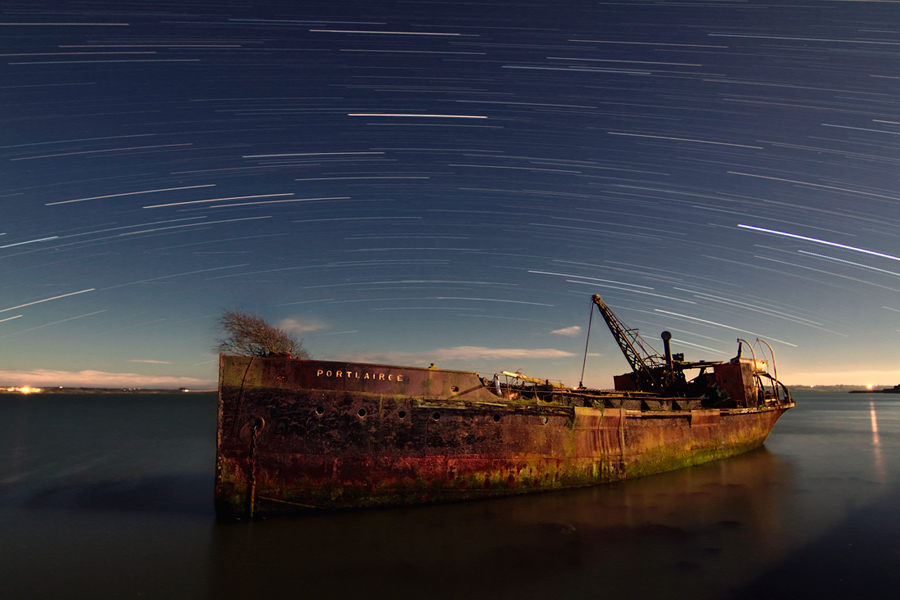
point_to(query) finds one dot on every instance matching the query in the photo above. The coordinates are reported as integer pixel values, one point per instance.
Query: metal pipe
(666, 336)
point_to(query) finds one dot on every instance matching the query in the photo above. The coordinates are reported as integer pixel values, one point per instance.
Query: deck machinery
(716, 383)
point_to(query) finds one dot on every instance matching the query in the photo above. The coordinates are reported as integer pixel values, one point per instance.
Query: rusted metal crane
(650, 371)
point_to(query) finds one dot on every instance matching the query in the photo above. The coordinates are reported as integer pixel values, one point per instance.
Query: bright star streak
(848, 262)
(381, 32)
(749, 307)
(488, 300)
(589, 278)
(665, 312)
(646, 43)
(677, 139)
(280, 201)
(175, 275)
(55, 323)
(414, 115)
(46, 239)
(307, 154)
(190, 187)
(94, 139)
(818, 185)
(130, 227)
(200, 224)
(39, 24)
(818, 241)
(219, 200)
(801, 39)
(46, 300)
(613, 287)
(99, 151)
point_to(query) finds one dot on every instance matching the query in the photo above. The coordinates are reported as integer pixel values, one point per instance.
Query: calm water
(108, 496)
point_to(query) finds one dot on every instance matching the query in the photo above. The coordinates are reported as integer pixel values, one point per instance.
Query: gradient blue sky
(416, 182)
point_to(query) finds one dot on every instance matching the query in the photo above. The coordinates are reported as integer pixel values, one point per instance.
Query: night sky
(448, 182)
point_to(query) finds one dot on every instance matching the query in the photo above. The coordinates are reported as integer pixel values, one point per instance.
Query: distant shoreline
(890, 390)
(854, 389)
(13, 390)
(97, 390)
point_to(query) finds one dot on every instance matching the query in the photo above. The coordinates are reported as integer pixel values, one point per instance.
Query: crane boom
(645, 364)
(533, 380)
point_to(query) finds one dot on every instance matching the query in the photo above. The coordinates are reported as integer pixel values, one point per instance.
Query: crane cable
(586, 343)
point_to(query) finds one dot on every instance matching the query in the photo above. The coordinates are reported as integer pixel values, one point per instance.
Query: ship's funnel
(666, 336)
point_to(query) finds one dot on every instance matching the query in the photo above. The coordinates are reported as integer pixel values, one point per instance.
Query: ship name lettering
(355, 374)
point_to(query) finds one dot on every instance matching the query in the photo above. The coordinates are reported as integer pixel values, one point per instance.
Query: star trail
(448, 182)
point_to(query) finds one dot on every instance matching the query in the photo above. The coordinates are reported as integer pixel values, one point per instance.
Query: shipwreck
(308, 435)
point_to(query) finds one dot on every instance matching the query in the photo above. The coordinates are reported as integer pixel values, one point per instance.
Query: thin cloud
(150, 362)
(102, 379)
(457, 353)
(300, 327)
(568, 331)
(483, 353)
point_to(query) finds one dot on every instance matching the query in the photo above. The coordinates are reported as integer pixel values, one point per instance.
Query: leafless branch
(247, 334)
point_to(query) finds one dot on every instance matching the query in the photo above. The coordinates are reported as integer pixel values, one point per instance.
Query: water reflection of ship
(701, 531)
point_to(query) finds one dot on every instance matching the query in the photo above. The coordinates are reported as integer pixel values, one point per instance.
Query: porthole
(436, 416)
(320, 410)
(361, 412)
(402, 414)
(496, 418)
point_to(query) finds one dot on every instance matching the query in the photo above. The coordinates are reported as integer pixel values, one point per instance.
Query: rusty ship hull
(305, 435)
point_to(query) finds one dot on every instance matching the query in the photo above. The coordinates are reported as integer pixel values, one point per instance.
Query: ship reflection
(692, 533)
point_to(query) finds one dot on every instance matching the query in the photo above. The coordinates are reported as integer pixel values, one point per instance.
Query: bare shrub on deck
(247, 334)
